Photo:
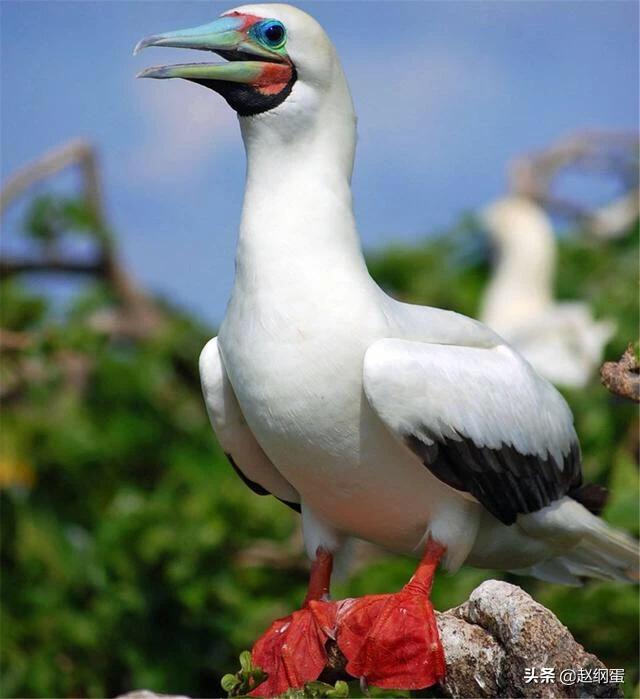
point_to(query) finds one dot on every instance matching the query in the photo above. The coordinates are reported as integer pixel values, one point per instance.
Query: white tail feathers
(605, 553)
(601, 551)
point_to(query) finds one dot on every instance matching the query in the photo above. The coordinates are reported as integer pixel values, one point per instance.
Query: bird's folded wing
(235, 436)
(480, 419)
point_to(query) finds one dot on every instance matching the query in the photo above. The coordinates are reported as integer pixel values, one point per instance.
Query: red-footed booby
(415, 428)
(561, 340)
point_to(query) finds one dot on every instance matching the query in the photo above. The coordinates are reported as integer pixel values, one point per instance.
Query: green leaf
(246, 662)
(229, 683)
(341, 689)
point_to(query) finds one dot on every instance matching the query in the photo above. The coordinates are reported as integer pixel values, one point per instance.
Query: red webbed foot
(392, 640)
(292, 650)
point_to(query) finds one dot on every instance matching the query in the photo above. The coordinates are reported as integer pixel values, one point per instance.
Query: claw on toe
(292, 650)
(391, 640)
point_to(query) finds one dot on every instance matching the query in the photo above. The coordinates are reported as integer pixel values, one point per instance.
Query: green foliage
(245, 680)
(50, 217)
(20, 310)
(121, 519)
(249, 678)
(315, 690)
(125, 534)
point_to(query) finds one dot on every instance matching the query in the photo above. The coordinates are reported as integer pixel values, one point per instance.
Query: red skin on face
(273, 78)
(249, 20)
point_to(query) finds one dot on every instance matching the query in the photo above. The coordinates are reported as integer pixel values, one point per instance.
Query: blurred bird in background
(561, 340)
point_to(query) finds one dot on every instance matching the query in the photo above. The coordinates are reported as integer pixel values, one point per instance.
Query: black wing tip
(505, 481)
(252, 485)
(295, 506)
(592, 496)
(258, 489)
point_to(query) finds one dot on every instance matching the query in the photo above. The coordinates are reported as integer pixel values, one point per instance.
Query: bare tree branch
(77, 152)
(614, 154)
(618, 215)
(13, 340)
(138, 311)
(623, 377)
(10, 266)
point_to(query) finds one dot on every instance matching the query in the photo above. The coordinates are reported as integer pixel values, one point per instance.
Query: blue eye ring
(272, 34)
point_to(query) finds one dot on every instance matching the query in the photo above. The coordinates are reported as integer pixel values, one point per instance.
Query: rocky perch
(502, 643)
(500, 637)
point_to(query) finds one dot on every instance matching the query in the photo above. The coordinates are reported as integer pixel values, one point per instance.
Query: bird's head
(514, 219)
(272, 52)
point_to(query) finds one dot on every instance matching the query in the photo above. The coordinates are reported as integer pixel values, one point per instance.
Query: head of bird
(515, 219)
(280, 63)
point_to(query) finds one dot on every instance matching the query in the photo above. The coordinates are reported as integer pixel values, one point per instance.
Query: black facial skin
(246, 100)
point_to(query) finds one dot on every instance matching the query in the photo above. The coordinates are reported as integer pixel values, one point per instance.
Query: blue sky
(446, 92)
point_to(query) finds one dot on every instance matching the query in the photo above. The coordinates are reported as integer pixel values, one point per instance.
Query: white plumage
(379, 419)
(487, 395)
(232, 431)
(561, 340)
(331, 374)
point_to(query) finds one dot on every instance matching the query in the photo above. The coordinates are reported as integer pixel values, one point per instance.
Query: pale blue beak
(224, 33)
(227, 36)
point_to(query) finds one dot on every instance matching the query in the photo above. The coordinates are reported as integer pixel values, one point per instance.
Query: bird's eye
(273, 34)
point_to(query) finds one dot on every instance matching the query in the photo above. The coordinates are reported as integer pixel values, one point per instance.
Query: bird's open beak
(227, 36)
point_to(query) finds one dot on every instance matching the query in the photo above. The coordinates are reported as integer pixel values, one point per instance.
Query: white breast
(299, 383)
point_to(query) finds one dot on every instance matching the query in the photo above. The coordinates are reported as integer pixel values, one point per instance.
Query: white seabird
(561, 340)
(415, 428)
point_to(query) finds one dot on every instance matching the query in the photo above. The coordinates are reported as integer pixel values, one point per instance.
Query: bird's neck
(527, 257)
(297, 221)
(523, 276)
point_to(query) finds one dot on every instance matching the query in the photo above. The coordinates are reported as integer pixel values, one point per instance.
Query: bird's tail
(602, 552)
(605, 553)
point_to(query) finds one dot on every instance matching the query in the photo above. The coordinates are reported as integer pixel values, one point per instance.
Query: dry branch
(623, 377)
(614, 154)
(78, 152)
(13, 340)
(10, 267)
(137, 314)
(491, 640)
